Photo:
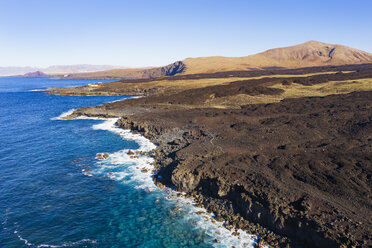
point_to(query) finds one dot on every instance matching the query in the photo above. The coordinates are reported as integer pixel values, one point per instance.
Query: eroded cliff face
(141, 73)
(164, 71)
(299, 168)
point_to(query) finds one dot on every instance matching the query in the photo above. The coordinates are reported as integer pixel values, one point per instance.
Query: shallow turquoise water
(55, 193)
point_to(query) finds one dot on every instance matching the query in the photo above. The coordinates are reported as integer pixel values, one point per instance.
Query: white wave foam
(64, 114)
(138, 169)
(206, 222)
(69, 244)
(130, 168)
(66, 244)
(69, 112)
(37, 90)
(109, 125)
(22, 239)
(5, 221)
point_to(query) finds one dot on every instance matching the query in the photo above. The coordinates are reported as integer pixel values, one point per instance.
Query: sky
(140, 33)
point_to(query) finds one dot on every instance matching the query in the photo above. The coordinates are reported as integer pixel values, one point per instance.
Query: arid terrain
(284, 154)
(308, 54)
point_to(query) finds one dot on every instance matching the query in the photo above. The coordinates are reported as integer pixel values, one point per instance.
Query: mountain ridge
(308, 54)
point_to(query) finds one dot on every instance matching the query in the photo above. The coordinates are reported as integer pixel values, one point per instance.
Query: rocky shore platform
(288, 158)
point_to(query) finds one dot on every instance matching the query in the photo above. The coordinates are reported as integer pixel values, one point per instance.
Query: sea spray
(137, 169)
(78, 243)
(63, 115)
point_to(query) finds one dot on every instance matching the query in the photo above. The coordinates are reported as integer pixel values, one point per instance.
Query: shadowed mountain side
(169, 70)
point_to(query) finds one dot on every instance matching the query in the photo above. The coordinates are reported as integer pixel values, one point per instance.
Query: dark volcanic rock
(298, 169)
(301, 167)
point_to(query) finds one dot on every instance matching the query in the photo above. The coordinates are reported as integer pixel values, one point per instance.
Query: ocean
(54, 192)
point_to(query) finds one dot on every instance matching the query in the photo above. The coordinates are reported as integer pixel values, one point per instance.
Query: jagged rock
(100, 156)
(160, 185)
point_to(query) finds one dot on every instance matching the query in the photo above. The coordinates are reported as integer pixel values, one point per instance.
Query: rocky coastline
(246, 207)
(165, 162)
(294, 171)
(281, 217)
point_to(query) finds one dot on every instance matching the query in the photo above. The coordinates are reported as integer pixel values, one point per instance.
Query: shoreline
(264, 237)
(248, 165)
(216, 229)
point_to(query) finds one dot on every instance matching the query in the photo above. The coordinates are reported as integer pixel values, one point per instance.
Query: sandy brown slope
(312, 53)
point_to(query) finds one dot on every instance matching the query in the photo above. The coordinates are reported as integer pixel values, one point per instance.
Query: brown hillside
(312, 53)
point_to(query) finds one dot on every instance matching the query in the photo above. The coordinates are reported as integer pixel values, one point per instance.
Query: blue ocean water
(55, 193)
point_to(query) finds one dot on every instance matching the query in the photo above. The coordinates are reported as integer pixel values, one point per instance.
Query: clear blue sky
(146, 33)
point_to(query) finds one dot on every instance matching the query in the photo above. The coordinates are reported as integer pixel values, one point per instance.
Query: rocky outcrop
(169, 70)
(163, 71)
(268, 181)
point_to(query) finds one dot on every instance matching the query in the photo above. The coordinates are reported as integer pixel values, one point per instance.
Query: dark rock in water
(100, 156)
(130, 153)
(160, 185)
(261, 243)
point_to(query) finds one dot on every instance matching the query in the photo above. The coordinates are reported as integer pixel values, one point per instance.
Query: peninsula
(278, 143)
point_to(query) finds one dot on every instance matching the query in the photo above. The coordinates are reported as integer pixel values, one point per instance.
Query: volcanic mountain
(309, 54)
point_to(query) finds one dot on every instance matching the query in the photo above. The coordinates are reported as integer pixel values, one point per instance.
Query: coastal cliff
(286, 157)
(297, 188)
